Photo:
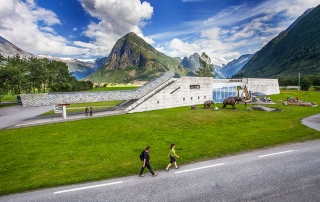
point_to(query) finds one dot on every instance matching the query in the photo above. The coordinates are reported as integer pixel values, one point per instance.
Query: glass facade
(222, 91)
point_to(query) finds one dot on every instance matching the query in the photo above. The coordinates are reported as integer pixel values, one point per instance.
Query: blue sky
(88, 29)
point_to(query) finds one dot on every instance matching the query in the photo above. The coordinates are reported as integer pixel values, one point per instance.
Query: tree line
(305, 82)
(31, 75)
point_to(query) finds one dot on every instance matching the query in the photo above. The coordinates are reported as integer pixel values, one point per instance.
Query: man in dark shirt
(146, 163)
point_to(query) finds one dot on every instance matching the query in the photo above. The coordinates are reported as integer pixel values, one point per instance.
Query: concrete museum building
(162, 92)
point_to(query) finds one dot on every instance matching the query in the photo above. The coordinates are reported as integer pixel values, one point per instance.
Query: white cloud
(234, 31)
(159, 48)
(116, 18)
(212, 33)
(31, 27)
(20, 25)
(181, 49)
(31, 3)
(47, 29)
(85, 45)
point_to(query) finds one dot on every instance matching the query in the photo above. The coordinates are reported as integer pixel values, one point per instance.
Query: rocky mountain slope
(217, 72)
(133, 59)
(235, 65)
(296, 50)
(192, 63)
(9, 49)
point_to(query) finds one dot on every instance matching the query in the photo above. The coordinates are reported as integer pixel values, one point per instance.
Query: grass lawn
(112, 88)
(109, 147)
(9, 98)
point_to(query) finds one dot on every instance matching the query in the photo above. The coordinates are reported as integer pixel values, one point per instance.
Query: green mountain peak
(132, 59)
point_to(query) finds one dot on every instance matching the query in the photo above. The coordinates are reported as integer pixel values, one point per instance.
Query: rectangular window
(194, 86)
(221, 93)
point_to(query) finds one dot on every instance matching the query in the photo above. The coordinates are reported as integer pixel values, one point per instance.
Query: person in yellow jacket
(172, 154)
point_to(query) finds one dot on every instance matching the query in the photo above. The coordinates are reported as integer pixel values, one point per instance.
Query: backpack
(141, 156)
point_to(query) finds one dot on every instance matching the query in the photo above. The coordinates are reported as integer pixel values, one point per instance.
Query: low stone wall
(45, 99)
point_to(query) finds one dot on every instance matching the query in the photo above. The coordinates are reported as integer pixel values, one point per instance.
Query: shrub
(305, 83)
(316, 88)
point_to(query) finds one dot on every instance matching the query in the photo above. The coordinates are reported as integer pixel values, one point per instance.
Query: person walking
(146, 163)
(172, 154)
(86, 111)
(90, 111)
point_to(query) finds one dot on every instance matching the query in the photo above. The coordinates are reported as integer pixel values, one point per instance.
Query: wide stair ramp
(149, 95)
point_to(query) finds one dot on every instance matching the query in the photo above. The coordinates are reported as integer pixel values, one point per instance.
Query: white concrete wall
(179, 94)
(266, 86)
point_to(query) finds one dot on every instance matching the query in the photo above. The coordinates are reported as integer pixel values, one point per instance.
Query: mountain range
(80, 69)
(294, 51)
(192, 63)
(235, 65)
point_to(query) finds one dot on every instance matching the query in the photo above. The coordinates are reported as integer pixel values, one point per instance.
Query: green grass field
(9, 98)
(112, 88)
(109, 147)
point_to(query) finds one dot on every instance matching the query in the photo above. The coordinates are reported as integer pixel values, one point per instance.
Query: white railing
(147, 96)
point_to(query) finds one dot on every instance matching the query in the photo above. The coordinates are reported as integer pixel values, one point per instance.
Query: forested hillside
(292, 52)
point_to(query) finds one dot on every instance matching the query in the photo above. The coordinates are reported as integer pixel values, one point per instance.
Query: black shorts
(172, 159)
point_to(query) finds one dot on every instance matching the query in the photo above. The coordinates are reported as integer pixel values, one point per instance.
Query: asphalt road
(18, 116)
(10, 116)
(285, 173)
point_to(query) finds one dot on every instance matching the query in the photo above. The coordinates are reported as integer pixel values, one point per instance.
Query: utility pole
(299, 81)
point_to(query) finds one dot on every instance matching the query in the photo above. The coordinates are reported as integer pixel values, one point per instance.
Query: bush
(305, 83)
(316, 88)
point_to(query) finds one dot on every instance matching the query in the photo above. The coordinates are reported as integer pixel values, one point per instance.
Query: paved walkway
(312, 122)
(56, 119)
(18, 116)
(10, 116)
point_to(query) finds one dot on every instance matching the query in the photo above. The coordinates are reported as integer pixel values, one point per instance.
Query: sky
(88, 29)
